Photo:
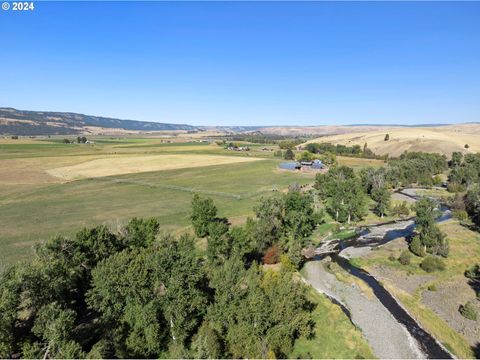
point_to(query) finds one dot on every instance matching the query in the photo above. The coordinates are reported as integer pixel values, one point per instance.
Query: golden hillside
(442, 139)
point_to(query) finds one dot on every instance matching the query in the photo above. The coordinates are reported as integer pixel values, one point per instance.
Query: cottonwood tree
(289, 155)
(381, 196)
(429, 235)
(472, 204)
(136, 294)
(343, 193)
(203, 213)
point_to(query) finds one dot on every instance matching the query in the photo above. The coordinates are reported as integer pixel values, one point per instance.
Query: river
(388, 327)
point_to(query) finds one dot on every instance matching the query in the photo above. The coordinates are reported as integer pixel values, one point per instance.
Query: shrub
(466, 146)
(432, 263)
(455, 188)
(287, 264)
(432, 287)
(405, 257)
(401, 209)
(272, 255)
(461, 215)
(437, 180)
(416, 247)
(468, 311)
(391, 257)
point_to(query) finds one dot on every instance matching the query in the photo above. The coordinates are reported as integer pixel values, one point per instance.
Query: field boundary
(187, 189)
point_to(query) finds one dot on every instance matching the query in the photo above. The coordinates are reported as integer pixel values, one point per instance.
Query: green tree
(286, 144)
(204, 212)
(54, 325)
(456, 160)
(381, 196)
(433, 240)
(10, 286)
(343, 193)
(289, 155)
(206, 343)
(305, 156)
(141, 232)
(472, 204)
(219, 242)
(275, 305)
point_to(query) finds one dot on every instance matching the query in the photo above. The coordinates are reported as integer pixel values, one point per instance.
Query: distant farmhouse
(315, 165)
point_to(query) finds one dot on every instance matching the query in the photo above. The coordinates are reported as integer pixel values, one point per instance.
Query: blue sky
(246, 63)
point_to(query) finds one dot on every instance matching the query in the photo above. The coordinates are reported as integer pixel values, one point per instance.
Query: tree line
(353, 151)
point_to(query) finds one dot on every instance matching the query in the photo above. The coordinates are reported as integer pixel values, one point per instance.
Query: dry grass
(117, 165)
(464, 252)
(359, 163)
(444, 139)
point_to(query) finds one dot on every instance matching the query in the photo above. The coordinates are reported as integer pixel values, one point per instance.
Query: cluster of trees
(355, 150)
(416, 168)
(142, 294)
(428, 239)
(289, 144)
(464, 180)
(285, 222)
(472, 204)
(342, 191)
(345, 193)
(326, 158)
(465, 171)
(376, 185)
(80, 140)
(261, 138)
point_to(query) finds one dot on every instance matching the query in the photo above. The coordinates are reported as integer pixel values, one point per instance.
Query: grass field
(335, 336)
(35, 205)
(119, 165)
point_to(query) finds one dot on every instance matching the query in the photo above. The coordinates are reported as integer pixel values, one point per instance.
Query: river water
(375, 236)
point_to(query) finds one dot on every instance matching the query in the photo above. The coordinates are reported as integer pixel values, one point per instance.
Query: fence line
(187, 189)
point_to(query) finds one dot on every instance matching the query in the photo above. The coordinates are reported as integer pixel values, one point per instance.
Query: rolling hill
(441, 139)
(27, 123)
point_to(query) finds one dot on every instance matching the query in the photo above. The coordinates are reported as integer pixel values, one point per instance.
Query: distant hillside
(20, 122)
(232, 129)
(442, 139)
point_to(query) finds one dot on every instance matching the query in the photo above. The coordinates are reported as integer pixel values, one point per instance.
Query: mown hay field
(35, 205)
(117, 165)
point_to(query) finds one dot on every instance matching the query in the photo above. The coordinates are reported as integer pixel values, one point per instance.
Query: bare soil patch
(446, 301)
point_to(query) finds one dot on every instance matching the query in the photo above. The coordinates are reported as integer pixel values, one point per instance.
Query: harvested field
(119, 165)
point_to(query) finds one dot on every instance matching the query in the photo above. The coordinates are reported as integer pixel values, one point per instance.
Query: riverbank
(366, 312)
(385, 307)
(433, 299)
